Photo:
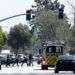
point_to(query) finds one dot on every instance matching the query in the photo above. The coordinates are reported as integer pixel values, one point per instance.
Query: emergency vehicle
(51, 53)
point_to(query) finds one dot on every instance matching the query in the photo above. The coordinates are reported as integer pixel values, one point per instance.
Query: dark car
(65, 63)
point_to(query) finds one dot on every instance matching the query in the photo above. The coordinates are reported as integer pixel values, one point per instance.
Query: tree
(19, 37)
(49, 25)
(48, 4)
(34, 37)
(72, 41)
(2, 38)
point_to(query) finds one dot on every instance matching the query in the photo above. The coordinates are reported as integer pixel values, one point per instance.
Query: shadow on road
(48, 69)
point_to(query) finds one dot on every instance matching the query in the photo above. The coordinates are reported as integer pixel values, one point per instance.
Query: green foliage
(63, 31)
(72, 39)
(19, 37)
(49, 25)
(48, 4)
(2, 38)
(34, 37)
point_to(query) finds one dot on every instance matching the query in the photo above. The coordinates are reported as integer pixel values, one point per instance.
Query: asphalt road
(33, 70)
(38, 73)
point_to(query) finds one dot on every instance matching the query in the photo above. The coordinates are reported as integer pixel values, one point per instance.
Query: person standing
(30, 60)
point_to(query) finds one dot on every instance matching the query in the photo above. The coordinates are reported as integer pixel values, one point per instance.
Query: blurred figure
(30, 60)
(16, 61)
(24, 60)
(8, 61)
(39, 61)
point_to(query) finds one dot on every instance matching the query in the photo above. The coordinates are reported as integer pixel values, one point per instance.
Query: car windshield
(67, 57)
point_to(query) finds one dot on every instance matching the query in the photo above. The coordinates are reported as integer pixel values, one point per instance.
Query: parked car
(65, 63)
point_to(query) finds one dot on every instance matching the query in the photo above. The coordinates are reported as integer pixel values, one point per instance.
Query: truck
(50, 55)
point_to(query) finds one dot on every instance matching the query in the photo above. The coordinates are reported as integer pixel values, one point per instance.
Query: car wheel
(56, 71)
(74, 71)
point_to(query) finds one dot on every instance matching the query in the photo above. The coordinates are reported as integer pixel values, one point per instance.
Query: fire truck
(51, 53)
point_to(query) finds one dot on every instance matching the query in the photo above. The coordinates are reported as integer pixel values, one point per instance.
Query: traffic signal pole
(11, 17)
(28, 16)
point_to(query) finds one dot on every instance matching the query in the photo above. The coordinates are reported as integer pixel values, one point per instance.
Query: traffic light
(28, 14)
(60, 15)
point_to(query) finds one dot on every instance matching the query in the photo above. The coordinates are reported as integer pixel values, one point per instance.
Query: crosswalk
(28, 70)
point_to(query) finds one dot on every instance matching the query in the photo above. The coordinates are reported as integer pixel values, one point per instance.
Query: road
(33, 70)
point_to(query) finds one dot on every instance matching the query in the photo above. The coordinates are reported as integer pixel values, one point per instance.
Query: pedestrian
(8, 61)
(30, 60)
(0, 64)
(17, 60)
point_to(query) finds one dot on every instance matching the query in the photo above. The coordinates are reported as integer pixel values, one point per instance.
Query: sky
(14, 7)
(69, 11)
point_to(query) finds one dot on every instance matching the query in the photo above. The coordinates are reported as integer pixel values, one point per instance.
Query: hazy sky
(69, 10)
(13, 7)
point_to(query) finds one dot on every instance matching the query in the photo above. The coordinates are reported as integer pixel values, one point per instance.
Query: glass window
(65, 57)
(50, 49)
(58, 49)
